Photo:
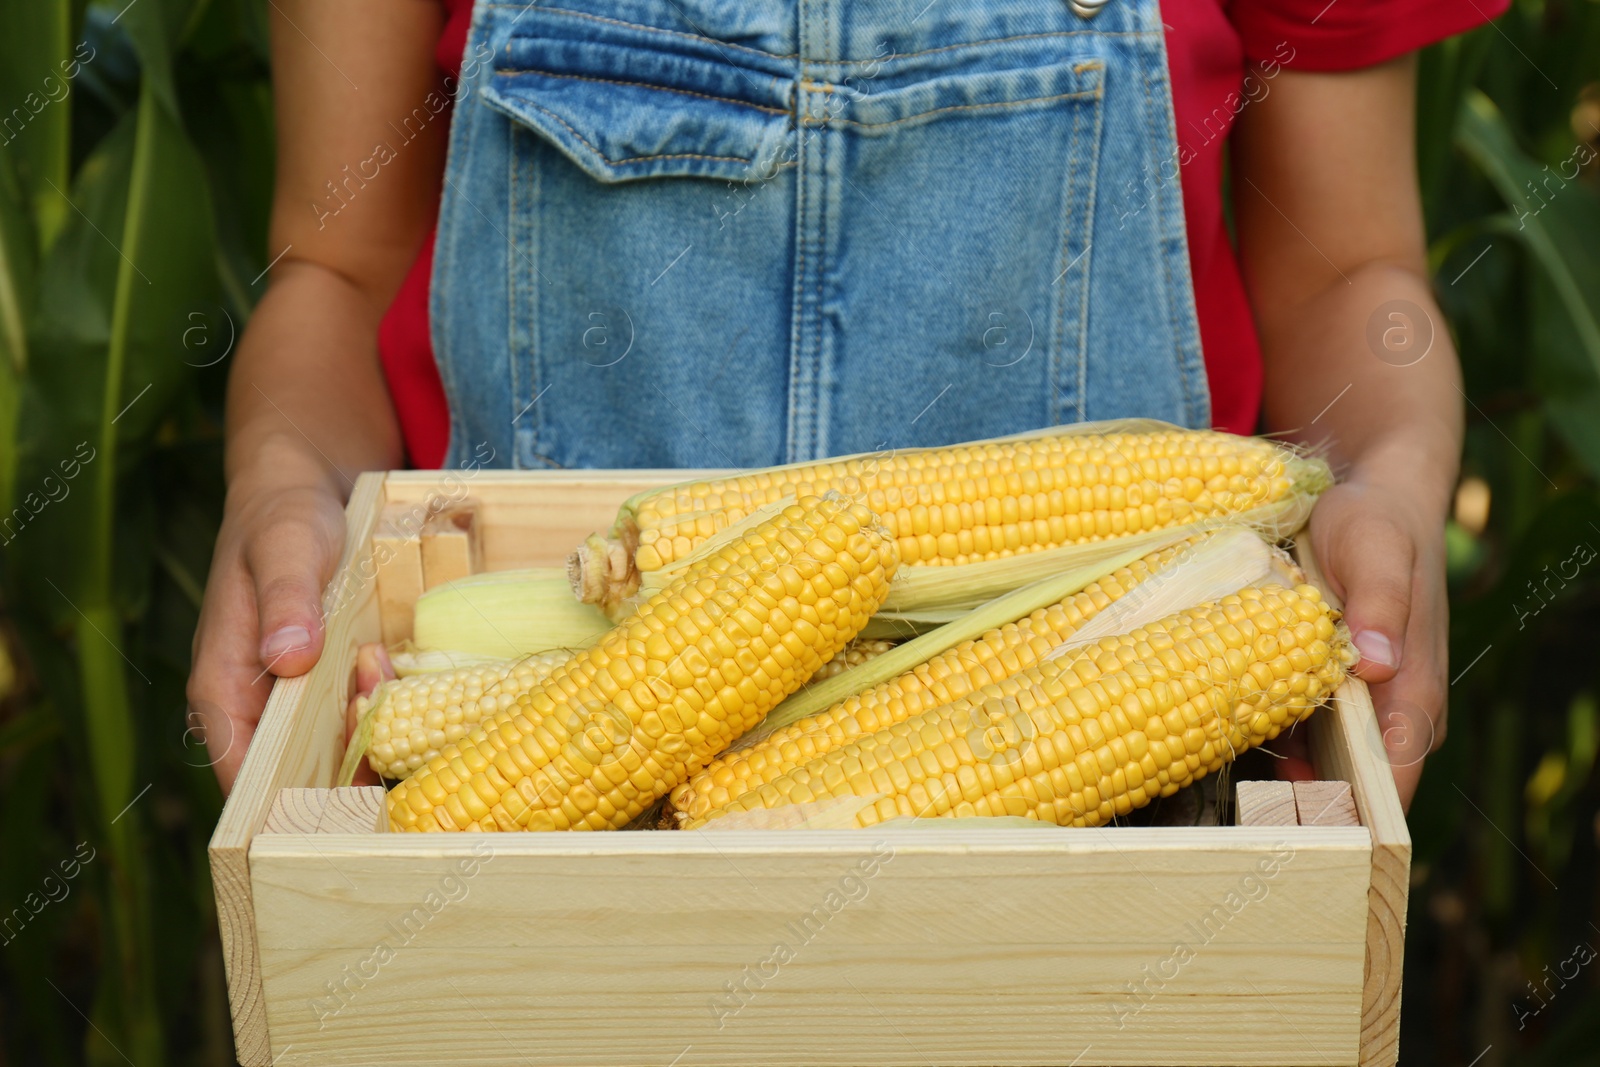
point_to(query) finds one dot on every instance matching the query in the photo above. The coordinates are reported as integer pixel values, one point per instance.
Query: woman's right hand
(308, 404)
(262, 617)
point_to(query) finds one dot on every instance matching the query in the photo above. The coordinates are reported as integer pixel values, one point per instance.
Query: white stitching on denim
(644, 85)
(794, 447)
(1089, 210)
(996, 40)
(818, 431)
(652, 29)
(517, 284)
(1094, 93)
(441, 325)
(631, 159)
(839, 62)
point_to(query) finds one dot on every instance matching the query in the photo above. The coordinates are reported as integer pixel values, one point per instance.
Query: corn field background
(135, 175)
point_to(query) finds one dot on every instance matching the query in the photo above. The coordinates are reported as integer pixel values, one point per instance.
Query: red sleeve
(453, 41)
(1346, 34)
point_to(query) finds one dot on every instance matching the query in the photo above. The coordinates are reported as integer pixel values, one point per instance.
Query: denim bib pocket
(629, 150)
(633, 102)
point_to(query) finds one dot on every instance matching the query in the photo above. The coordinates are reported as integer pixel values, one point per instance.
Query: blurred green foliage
(135, 177)
(1506, 822)
(135, 170)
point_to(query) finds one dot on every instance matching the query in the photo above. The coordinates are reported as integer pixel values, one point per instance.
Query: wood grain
(397, 552)
(298, 742)
(450, 544)
(1347, 745)
(361, 809)
(533, 520)
(963, 946)
(296, 811)
(1325, 804)
(1265, 804)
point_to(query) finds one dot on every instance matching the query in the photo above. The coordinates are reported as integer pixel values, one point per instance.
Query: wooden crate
(1268, 944)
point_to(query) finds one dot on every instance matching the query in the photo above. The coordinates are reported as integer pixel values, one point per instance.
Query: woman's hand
(1382, 551)
(308, 407)
(262, 616)
(1359, 364)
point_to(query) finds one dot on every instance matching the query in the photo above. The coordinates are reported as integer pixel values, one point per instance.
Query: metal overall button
(1087, 8)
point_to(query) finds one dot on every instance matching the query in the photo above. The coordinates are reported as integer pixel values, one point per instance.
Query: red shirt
(1208, 44)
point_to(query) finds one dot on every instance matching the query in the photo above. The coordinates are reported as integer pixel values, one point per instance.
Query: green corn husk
(506, 614)
(409, 660)
(355, 750)
(1229, 559)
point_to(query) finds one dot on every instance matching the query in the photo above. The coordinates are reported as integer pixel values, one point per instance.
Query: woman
(694, 233)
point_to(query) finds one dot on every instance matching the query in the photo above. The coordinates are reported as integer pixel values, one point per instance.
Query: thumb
(1373, 559)
(290, 561)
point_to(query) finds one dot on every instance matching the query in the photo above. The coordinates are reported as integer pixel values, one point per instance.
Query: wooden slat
(298, 742)
(355, 810)
(948, 953)
(450, 547)
(397, 552)
(1347, 746)
(1325, 804)
(1265, 804)
(296, 811)
(534, 520)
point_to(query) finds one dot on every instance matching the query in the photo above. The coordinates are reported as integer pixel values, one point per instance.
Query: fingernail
(285, 640)
(1376, 649)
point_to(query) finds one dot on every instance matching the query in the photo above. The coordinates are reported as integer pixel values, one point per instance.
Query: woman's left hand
(1382, 552)
(1358, 363)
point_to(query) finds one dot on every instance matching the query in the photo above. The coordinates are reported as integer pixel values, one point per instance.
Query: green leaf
(1444, 73)
(17, 271)
(1554, 217)
(1561, 374)
(1556, 556)
(157, 28)
(36, 73)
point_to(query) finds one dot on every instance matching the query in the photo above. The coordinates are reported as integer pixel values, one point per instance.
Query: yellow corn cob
(961, 670)
(969, 503)
(854, 654)
(413, 718)
(620, 724)
(1081, 739)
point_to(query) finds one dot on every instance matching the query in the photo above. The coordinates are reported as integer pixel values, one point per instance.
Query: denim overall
(736, 233)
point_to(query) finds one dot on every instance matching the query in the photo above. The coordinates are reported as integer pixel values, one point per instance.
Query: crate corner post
(1348, 746)
(297, 744)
